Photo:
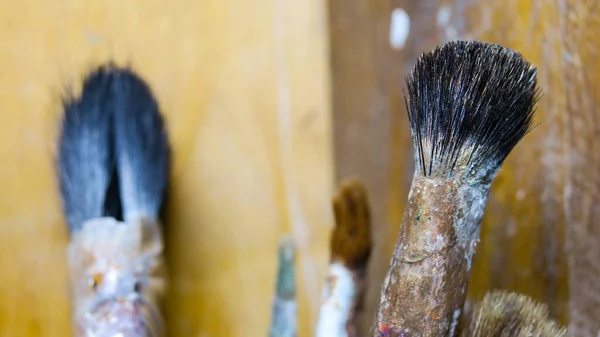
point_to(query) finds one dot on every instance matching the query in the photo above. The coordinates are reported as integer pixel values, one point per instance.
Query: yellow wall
(244, 88)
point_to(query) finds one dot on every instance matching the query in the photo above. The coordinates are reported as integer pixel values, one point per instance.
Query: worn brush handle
(285, 307)
(340, 294)
(425, 287)
(116, 278)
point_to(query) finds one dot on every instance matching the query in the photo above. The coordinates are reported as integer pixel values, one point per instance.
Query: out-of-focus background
(269, 104)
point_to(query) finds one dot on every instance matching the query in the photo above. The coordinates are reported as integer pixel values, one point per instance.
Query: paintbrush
(469, 104)
(351, 242)
(113, 156)
(285, 306)
(503, 314)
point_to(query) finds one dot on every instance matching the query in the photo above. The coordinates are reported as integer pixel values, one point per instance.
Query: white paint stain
(443, 16)
(338, 295)
(521, 194)
(399, 28)
(455, 317)
(92, 38)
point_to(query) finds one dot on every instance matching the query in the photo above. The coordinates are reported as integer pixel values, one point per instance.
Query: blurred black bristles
(85, 160)
(113, 152)
(141, 146)
(469, 103)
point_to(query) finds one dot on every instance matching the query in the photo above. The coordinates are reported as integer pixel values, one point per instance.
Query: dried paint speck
(399, 28)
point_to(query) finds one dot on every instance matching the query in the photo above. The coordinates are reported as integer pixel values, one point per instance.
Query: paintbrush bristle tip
(113, 143)
(503, 314)
(351, 239)
(469, 103)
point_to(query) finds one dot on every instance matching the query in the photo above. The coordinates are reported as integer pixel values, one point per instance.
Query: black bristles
(141, 146)
(84, 153)
(113, 146)
(469, 104)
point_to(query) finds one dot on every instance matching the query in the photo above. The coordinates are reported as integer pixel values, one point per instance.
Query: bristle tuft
(469, 103)
(503, 314)
(85, 160)
(141, 146)
(351, 238)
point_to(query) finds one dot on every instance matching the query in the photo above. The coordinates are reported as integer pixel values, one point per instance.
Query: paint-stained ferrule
(116, 272)
(338, 300)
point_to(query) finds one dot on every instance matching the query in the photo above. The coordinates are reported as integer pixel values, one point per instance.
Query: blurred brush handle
(342, 290)
(425, 287)
(284, 321)
(117, 278)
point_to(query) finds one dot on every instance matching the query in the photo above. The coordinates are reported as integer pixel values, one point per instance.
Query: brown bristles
(503, 314)
(351, 238)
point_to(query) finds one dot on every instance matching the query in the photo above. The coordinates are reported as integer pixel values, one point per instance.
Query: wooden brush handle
(425, 287)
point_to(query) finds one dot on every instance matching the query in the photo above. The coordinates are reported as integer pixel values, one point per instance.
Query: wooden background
(268, 105)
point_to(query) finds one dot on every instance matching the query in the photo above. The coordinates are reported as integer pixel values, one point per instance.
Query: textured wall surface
(244, 88)
(541, 231)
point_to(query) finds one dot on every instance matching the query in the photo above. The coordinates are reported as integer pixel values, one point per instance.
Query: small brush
(285, 306)
(351, 243)
(469, 104)
(503, 314)
(116, 267)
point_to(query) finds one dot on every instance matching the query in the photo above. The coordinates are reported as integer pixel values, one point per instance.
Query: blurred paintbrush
(114, 131)
(284, 320)
(351, 242)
